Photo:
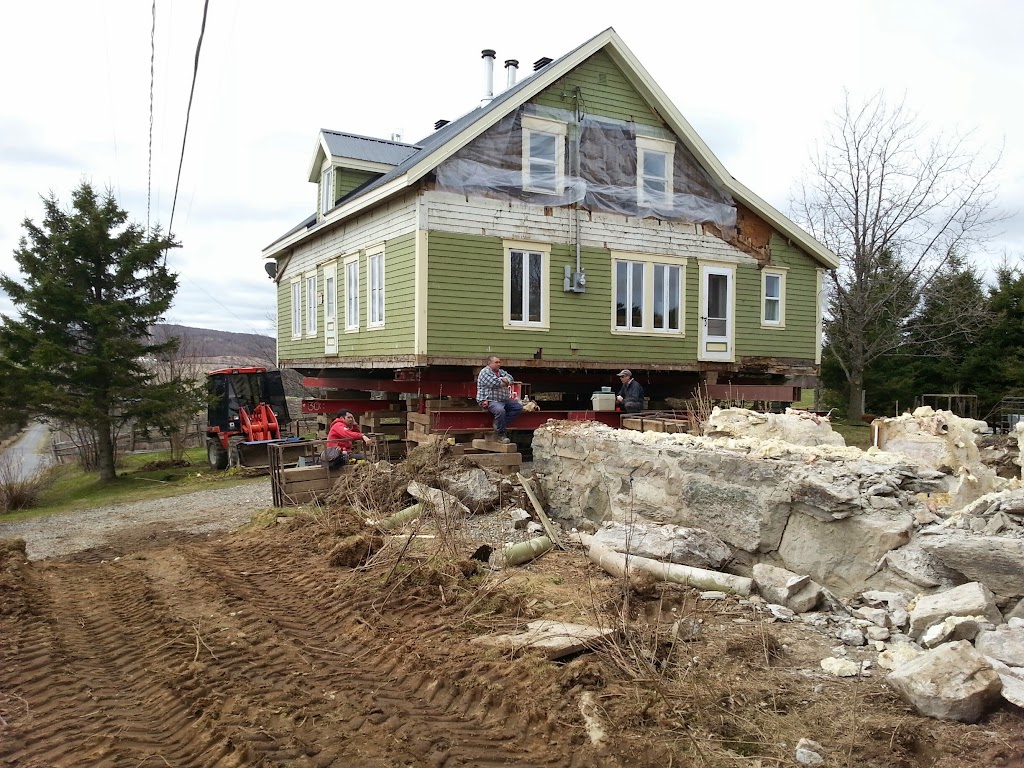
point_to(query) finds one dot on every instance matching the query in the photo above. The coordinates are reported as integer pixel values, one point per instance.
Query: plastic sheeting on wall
(599, 170)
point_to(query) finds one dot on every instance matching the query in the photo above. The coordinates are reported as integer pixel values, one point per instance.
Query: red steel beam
(313, 406)
(442, 420)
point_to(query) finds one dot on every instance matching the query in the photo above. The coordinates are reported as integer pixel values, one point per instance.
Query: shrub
(20, 489)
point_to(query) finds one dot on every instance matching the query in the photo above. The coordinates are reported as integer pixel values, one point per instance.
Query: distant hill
(221, 348)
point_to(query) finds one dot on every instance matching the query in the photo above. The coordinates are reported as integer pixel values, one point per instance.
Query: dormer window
(543, 155)
(654, 159)
(326, 190)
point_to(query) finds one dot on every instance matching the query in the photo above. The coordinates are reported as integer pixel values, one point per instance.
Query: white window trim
(326, 188)
(780, 272)
(662, 146)
(370, 254)
(533, 124)
(649, 260)
(312, 304)
(544, 249)
(297, 315)
(348, 260)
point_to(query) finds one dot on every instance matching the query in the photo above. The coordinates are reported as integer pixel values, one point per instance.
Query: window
(543, 155)
(311, 305)
(654, 159)
(667, 297)
(329, 294)
(526, 285)
(648, 293)
(629, 295)
(297, 308)
(326, 190)
(773, 297)
(352, 294)
(375, 280)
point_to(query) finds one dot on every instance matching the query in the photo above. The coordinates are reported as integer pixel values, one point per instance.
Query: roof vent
(488, 56)
(441, 124)
(542, 62)
(511, 68)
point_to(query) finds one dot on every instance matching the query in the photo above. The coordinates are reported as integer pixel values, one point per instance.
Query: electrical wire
(152, 77)
(188, 114)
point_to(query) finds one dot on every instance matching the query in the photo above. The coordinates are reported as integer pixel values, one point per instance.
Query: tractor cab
(246, 410)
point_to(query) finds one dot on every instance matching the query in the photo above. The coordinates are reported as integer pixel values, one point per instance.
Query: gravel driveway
(195, 513)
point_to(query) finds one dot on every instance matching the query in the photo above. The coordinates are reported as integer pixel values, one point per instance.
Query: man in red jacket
(343, 433)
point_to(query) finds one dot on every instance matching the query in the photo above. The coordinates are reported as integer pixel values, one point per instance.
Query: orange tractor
(246, 411)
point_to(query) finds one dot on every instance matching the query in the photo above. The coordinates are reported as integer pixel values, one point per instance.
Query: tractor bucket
(257, 454)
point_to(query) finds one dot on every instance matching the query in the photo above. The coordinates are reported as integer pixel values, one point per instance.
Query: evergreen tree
(93, 285)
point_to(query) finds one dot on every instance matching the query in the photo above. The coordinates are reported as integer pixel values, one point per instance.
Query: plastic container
(603, 401)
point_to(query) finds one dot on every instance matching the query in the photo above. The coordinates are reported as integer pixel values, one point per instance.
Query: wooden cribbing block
(495, 459)
(654, 425)
(495, 446)
(633, 423)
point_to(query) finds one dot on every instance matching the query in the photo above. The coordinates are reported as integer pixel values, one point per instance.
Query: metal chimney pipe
(512, 69)
(488, 56)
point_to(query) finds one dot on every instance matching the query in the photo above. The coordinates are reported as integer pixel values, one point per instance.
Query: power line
(188, 114)
(152, 77)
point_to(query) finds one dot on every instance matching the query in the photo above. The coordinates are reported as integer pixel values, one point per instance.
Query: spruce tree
(91, 286)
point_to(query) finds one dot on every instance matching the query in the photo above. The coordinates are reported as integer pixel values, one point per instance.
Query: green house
(573, 224)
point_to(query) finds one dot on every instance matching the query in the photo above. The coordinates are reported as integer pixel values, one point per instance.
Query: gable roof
(449, 139)
(351, 150)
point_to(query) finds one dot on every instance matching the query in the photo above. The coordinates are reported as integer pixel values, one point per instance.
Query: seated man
(343, 433)
(493, 392)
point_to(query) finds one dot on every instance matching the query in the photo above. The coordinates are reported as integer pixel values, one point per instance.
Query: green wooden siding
(465, 316)
(347, 179)
(799, 337)
(606, 91)
(394, 338)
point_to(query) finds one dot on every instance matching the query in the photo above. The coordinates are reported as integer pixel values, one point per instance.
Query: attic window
(543, 155)
(654, 171)
(326, 190)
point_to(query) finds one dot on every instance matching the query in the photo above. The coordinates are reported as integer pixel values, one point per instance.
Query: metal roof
(367, 148)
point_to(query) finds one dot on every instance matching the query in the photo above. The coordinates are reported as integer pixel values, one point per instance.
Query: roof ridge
(370, 138)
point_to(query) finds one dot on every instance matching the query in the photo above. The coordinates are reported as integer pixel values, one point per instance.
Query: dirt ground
(251, 649)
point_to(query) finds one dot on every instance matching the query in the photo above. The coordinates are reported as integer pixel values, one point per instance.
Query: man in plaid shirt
(493, 393)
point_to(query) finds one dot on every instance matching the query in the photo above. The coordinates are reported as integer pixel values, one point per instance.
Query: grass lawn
(856, 435)
(72, 489)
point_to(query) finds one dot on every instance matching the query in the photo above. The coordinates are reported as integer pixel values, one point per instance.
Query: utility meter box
(603, 401)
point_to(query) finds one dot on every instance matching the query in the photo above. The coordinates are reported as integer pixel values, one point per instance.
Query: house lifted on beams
(573, 224)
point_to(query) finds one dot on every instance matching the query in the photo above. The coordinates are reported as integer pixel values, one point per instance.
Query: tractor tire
(216, 455)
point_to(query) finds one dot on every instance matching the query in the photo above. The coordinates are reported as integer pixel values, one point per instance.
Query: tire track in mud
(245, 652)
(426, 719)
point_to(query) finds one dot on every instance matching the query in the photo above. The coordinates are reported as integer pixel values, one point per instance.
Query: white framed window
(654, 158)
(648, 293)
(297, 308)
(326, 190)
(352, 294)
(526, 282)
(312, 307)
(543, 155)
(773, 297)
(375, 288)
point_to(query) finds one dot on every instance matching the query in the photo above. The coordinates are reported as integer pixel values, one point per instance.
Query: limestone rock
(972, 599)
(877, 633)
(670, 543)
(995, 561)
(898, 654)
(794, 427)
(919, 567)
(1017, 612)
(840, 667)
(876, 616)
(1013, 689)
(520, 517)
(1004, 643)
(954, 628)
(952, 682)
(442, 502)
(782, 587)
(810, 752)
(852, 636)
(473, 487)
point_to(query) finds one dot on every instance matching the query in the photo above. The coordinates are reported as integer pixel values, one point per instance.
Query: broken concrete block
(840, 667)
(952, 682)
(898, 654)
(842, 554)
(473, 487)
(810, 752)
(782, 587)
(443, 503)
(972, 599)
(1003, 643)
(919, 567)
(671, 543)
(953, 628)
(995, 561)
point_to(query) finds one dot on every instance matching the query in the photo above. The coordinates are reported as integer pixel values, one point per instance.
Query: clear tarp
(599, 170)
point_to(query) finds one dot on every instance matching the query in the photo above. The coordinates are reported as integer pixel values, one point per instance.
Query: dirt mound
(12, 562)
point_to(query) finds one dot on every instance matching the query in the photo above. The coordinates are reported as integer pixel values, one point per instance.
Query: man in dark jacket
(631, 396)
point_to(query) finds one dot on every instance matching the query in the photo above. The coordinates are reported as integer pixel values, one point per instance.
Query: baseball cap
(625, 372)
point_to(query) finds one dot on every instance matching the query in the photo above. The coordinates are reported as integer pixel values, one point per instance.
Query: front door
(331, 309)
(717, 320)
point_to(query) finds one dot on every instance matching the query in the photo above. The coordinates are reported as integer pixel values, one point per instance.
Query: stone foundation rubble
(911, 555)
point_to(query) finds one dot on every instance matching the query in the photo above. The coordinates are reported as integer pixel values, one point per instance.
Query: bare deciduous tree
(898, 206)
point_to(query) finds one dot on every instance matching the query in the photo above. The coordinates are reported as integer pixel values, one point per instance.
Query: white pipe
(488, 56)
(511, 71)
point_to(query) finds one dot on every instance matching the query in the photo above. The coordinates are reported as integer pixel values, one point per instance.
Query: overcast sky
(757, 80)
